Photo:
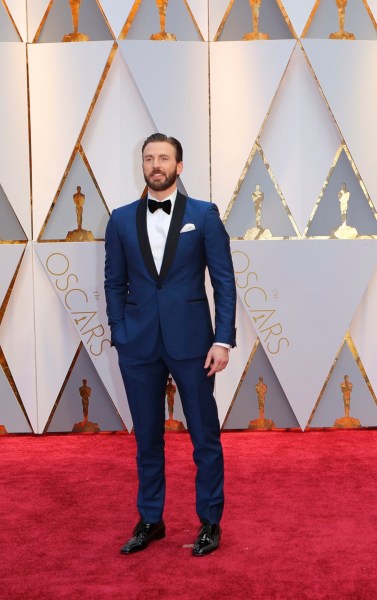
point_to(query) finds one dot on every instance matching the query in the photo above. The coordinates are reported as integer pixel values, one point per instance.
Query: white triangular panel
(18, 11)
(35, 12)
(10, 255)
(17, 336)
(56, 343)
(298, 13)
(119, 124)
(199, 11)
(175, 109)
(227, 382)
(353, 65)
(217, 10)
(14, 144)
(80, 289)
(71, 74)
(241, 95)
(301, 297)
(116, 12)
(363, 328)
(300, 139)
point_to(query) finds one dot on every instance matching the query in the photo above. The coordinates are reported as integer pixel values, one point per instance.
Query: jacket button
(159, 286)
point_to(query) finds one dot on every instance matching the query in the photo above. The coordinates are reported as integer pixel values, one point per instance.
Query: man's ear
(179, 168)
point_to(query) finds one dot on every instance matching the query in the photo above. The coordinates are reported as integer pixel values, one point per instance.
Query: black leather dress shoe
(142, 535)
(208, 539)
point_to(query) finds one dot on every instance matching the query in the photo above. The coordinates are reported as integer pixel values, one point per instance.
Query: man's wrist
(228, 346)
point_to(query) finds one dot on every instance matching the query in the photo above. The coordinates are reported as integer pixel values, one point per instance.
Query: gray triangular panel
(10, 228)
(331, 406)
(59, 22)
(245, 407)
(70, 411)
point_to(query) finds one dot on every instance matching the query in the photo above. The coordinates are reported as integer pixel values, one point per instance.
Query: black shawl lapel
(142, 234)
(173, 234)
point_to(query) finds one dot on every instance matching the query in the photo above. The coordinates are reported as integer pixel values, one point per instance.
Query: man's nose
(156, 163)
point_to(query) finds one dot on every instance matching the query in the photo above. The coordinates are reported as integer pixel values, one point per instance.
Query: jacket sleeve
(116, 276)
(220, 267)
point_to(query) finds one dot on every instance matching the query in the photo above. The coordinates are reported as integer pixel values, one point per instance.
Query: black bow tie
(154, 205)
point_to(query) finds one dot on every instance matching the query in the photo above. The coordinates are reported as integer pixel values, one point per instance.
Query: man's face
(160, 166)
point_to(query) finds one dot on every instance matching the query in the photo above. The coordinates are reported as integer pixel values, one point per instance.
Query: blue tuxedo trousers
(145, 382)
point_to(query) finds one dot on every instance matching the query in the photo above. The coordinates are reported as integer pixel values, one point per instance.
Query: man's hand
(217, 359)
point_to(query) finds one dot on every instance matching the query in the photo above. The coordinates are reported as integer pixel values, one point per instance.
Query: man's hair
(161, 137)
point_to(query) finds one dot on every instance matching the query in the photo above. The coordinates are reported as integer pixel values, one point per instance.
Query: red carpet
(300, 519)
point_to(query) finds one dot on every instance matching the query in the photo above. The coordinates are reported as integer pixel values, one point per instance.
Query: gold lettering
(263, 314)
(272, 330)
(70, 292)
(247, 280)
(254, 288)
(95, 334)
(278, 347)
(84, 318)
(245, 256)
(101, 350)
(54, 272)
(62, 289)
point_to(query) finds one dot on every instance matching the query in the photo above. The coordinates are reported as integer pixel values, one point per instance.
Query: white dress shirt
(158, 224)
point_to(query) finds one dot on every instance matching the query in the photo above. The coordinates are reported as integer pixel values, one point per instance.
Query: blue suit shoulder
(126, 209)
(202, 205)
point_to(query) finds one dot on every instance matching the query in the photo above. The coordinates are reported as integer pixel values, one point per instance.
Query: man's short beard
(161, 186)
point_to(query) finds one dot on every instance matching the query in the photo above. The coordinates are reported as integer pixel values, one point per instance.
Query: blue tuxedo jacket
(141, 302)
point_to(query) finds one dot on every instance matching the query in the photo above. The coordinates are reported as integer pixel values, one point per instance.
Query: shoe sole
(205, 553)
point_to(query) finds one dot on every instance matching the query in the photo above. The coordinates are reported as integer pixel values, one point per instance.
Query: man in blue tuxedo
(157, 252)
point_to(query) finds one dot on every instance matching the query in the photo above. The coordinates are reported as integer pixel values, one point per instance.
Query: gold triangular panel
(84, 406)
(84, 22)
(258, 209)
(79, 212)
(346, 402)
(261, 403)
(254, 21)
(341, 20)
(161, 21)
(344, 209)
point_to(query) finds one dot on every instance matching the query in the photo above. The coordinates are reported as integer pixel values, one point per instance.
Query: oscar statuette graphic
(346, 422)
(162, 35)
(261, 422)
(75, 36)
(258, 232)
(85, 426)
(255, 34)
(79, 234)
(344, 232)
(341, 34)
(172, 424)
